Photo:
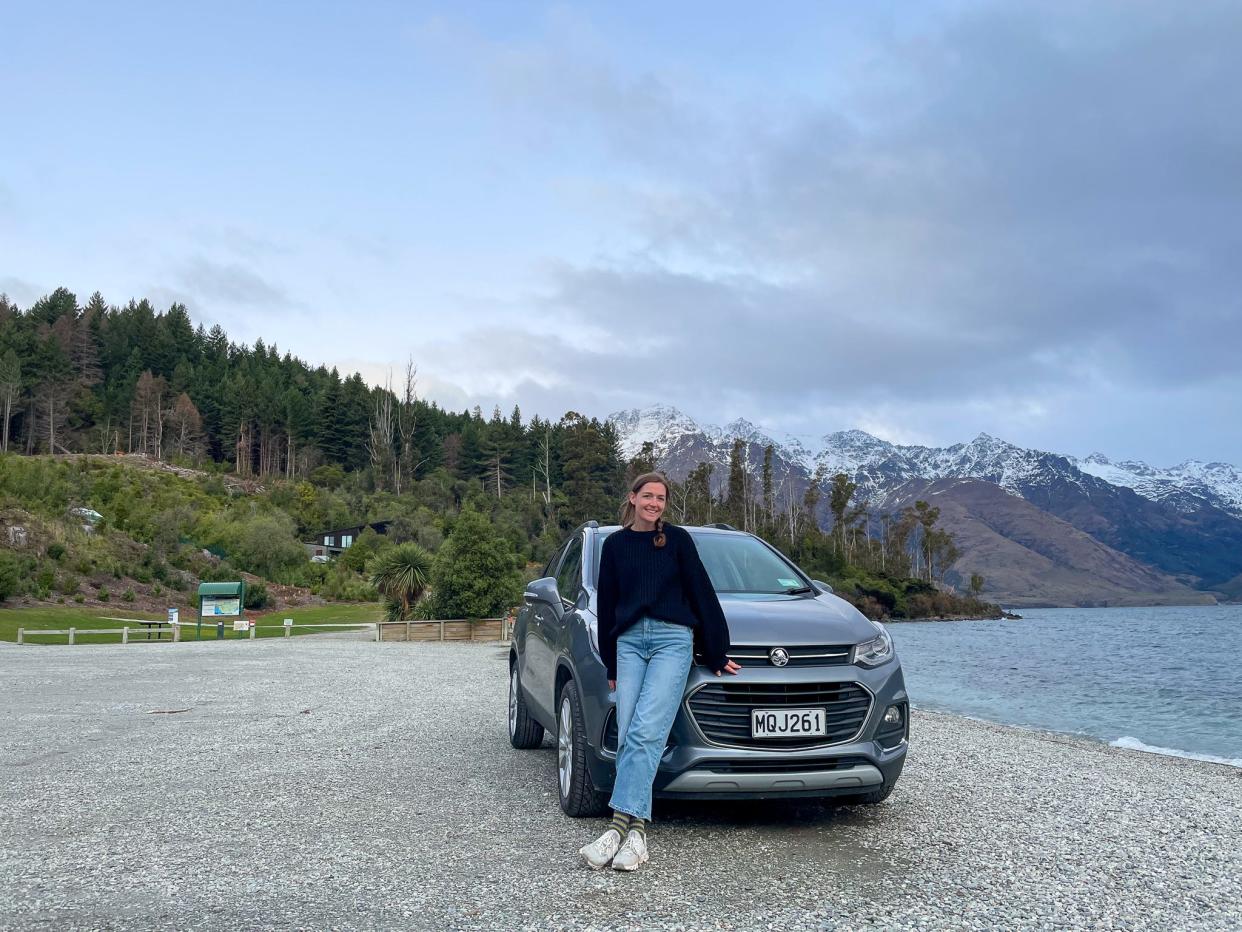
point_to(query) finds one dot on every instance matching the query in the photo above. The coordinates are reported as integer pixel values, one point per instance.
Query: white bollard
(72, 632)
(125, 635)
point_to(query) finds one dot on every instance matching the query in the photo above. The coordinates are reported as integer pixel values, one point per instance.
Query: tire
(579, 798)
(869, 799)
(524, 731)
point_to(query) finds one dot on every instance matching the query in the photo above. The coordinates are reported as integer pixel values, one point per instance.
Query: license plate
(787, 723)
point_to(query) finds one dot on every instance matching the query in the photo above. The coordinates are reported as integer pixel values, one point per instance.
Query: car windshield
(739, 563)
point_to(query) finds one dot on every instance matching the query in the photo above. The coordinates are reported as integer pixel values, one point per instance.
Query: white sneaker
(599, 852)
(632, 853)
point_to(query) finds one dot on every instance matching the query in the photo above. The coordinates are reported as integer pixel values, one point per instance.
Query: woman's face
(649, 501)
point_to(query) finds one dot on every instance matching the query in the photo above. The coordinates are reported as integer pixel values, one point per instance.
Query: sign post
(220, 600)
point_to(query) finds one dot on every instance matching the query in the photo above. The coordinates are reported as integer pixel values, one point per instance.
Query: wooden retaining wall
(458, 629)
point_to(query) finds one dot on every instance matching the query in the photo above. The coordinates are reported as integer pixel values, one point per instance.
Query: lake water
(1166, 680)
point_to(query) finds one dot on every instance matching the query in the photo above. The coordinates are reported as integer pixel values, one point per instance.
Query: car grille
(820, 655)
(722, 710)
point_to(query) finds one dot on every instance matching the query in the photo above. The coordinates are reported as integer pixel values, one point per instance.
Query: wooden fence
(23, 633)
(455, 629)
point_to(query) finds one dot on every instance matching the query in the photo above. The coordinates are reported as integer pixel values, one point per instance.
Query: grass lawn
(268, 625)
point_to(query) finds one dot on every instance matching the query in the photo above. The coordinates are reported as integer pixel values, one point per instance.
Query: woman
(655, 599)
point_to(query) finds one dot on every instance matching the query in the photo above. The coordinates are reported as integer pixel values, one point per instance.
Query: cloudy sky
(924, 220)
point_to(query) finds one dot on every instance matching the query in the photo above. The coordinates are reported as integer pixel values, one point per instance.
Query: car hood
(790, 621)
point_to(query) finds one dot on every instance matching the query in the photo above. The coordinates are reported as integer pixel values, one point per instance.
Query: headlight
(874, 652)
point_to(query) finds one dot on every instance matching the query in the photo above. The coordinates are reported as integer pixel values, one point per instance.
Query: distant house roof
(380, 527)
(331, 538)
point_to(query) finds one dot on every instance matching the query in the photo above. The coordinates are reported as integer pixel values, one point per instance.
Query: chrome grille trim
(788, 694)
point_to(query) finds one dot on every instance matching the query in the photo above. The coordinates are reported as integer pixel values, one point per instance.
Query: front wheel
(577, 791)
(524, 731)
(869, 799)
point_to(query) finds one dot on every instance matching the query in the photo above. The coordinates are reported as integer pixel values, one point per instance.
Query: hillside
(1029, 557)
(140, 554)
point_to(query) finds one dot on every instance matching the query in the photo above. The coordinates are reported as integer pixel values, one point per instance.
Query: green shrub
(56, 550)
(67, 583)
(256, 595)
(79, 598)
(103, 595)
(10, 575)
(128, 595)
(157, 590)
(46, 579)
(475, 573)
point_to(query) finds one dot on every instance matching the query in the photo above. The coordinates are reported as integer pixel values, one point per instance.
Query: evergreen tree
(475, 572)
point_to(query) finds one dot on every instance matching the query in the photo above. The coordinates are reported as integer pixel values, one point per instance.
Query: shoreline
(1093, 744)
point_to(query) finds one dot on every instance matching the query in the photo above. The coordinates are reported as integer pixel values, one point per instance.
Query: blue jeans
(653, 660)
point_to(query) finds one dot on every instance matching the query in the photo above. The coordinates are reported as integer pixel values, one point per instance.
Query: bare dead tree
(406, 422)
(380, 432)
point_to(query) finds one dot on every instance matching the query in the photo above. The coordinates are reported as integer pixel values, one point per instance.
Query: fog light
(892, 715)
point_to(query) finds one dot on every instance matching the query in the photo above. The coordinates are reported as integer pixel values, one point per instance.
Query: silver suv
(819, 708)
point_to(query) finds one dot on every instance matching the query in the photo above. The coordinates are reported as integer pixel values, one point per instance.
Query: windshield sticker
(788, 582)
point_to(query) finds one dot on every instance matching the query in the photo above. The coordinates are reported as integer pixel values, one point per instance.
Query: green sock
(621, 822)
(639, 825)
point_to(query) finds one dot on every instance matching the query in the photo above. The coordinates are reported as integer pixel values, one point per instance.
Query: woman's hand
(612, 684)
(730, 667)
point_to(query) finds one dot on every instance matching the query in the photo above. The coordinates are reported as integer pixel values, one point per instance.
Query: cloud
(230, 283)
(1012, 206)
(21, 292)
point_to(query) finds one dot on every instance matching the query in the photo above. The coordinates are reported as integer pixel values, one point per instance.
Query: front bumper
(713, 783)
(694, 767)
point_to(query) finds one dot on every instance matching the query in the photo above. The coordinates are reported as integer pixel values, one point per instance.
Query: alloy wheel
(513, 688)
(565, 747)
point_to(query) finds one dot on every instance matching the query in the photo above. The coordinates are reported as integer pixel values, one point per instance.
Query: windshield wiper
(799, 590)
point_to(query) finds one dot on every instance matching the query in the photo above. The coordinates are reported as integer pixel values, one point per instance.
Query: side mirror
(822, 586)
(544, 590)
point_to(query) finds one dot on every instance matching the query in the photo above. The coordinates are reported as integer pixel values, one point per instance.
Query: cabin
(329, 544)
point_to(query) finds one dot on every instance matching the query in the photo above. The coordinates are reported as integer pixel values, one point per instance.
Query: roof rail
(592, 523)
(722, 526)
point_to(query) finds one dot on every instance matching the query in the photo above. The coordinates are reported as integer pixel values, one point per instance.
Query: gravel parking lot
(348, 784)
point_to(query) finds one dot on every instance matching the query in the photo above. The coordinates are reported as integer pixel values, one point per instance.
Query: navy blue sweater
(669, 583)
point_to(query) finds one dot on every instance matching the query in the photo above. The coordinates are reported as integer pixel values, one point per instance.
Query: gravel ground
(346, 784)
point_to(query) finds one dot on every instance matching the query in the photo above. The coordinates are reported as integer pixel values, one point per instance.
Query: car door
(569, 585)
(539, 671)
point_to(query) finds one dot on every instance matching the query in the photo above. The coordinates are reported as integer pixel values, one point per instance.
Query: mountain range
(1041, 527)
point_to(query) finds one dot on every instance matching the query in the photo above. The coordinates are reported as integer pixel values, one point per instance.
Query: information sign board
(216, 606)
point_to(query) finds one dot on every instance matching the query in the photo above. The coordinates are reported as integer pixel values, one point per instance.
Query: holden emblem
(779, 656)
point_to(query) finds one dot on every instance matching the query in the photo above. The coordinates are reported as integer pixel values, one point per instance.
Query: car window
(550, 569)
(740, 563)
(569, 576)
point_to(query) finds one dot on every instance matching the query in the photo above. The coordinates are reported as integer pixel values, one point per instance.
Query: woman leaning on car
(655, 600)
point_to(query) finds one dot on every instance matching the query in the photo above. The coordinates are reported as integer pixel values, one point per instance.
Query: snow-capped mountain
(1218, 484)
(1187, 521)
(878, 466)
